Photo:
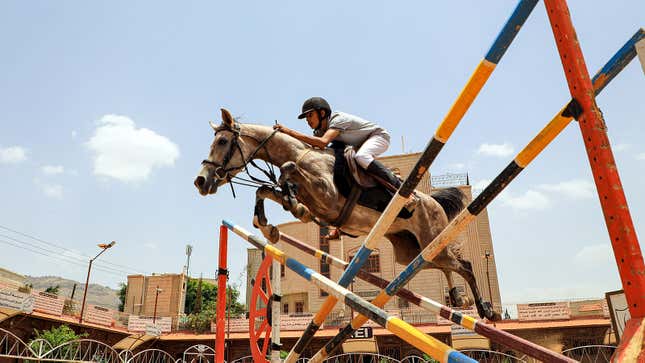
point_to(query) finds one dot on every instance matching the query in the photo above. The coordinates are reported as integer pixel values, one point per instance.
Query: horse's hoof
(274, 235)
(467, 302)
(489, 313)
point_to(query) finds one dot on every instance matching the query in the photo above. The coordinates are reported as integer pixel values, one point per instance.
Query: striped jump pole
(490, 332)
(441, 136)
(429, 345)
(626, 53)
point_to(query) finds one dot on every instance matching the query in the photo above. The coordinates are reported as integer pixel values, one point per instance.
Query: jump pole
(451, 120)
(624, 55)
(222, 276)
(429, 345)
(624, 241)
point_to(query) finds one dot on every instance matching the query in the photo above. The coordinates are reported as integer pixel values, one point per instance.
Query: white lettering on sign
(363, 332)
(140, 323)
(16, 300)
(543, 311)
(48, 303)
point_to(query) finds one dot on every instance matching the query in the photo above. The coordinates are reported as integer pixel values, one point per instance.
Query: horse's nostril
(199, 181)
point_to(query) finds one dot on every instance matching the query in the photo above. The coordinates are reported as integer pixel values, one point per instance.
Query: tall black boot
(383, 174)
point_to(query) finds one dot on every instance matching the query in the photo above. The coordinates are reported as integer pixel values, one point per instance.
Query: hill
(96, 294)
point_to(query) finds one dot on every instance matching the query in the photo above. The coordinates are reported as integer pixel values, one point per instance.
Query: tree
(200, 321)
(56, 336)
(123, 290)
(198, 299)
(208, 293)
(53, 290)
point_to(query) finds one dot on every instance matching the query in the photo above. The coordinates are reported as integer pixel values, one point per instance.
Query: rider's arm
(319, 142)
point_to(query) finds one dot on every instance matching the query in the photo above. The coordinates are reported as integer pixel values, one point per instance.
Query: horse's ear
(213, 125)
(227, 118)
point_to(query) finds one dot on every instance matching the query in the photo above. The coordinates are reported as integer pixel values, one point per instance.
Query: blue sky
(105, 108)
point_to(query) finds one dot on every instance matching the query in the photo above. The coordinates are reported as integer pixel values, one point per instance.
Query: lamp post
(490, 291)
(103, 247)
(154, 315)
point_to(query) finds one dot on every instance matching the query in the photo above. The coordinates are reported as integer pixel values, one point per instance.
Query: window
(285, 308)
(373, 264)
(282, 272)
(300, 307)
(403, 303)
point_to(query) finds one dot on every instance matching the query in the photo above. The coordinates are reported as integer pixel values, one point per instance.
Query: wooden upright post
(603, 166)
(222, 276)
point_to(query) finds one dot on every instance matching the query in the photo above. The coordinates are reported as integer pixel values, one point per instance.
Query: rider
(369, 139)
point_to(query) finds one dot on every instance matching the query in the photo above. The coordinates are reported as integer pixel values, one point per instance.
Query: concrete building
(167, 290)
(299, 296)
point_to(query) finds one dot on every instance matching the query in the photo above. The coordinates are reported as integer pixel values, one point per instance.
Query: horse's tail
(452, 200)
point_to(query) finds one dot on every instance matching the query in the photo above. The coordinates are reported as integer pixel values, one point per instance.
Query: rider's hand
(281, 128)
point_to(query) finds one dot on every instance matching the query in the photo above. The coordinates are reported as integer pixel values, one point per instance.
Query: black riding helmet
(314, 104)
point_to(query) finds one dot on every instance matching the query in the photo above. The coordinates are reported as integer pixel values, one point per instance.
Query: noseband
(223, 171)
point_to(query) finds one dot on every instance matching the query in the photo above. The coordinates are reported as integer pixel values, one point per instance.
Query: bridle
(223, 171)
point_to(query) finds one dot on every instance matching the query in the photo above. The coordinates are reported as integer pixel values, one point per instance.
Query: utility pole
(189, 251)
(104, 248)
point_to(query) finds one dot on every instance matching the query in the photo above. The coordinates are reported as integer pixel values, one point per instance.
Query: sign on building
(140, 323)
(364, 332)
(16, 300)
(543, 311)
(48, 303)
(619, 311)
(98, 315)
(294, 322)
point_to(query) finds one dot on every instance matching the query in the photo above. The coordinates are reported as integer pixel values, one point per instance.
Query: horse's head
(225, 158)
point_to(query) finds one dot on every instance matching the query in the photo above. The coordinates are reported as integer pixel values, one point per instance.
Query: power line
(63, 258)
(64, 248)
(58, 253)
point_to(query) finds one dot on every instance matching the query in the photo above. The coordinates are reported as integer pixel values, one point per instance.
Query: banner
(98, 315)
(16, 300)
(141, 323)
(48, 303)
(543, 311)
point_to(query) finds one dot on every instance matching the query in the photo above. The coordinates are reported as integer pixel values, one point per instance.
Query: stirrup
(333, 234)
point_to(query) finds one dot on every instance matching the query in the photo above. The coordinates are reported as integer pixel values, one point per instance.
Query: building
(162, 293)
(299, 296)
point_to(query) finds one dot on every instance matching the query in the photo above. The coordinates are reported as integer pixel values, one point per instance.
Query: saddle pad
(376, 198)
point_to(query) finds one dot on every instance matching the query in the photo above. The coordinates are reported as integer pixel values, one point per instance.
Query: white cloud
(12, 155)
(54, 191)
(621, 147)
(574, 189)
(532, 199)
(53, 169)
(127, 153)
(481, 184)
(594, 255)
(150, 245)
(640, 156)
(498, 150)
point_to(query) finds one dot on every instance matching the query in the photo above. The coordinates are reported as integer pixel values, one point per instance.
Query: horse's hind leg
(484, 308)
(456, 298)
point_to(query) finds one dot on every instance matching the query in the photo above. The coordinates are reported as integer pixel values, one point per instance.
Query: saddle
(357, 186)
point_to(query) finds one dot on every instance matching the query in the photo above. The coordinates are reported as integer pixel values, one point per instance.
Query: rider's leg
(365, 157)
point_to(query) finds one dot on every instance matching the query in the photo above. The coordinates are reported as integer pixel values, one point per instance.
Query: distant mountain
(96, 294)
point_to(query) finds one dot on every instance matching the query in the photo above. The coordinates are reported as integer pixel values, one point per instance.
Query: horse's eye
(222, 141)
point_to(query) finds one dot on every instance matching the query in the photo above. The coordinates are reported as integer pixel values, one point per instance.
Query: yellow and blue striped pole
(616, 64)
(429, 345)
(441, 136)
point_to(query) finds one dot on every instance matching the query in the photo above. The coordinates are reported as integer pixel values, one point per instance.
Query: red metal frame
(259, 315)
(221, 297)
(594, 132)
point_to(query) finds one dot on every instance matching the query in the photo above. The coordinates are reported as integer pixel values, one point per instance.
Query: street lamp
(103, 247)
(154, 315)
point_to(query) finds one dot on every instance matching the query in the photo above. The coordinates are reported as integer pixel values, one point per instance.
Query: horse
(314, 197)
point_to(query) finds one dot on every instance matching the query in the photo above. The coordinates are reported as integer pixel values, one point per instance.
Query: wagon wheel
(260, 311)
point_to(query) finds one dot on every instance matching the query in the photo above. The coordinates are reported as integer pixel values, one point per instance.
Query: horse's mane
(269, 129)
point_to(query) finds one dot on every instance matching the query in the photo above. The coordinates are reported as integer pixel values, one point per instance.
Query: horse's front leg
(269, 231)
(484, 308)
(259, 218)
